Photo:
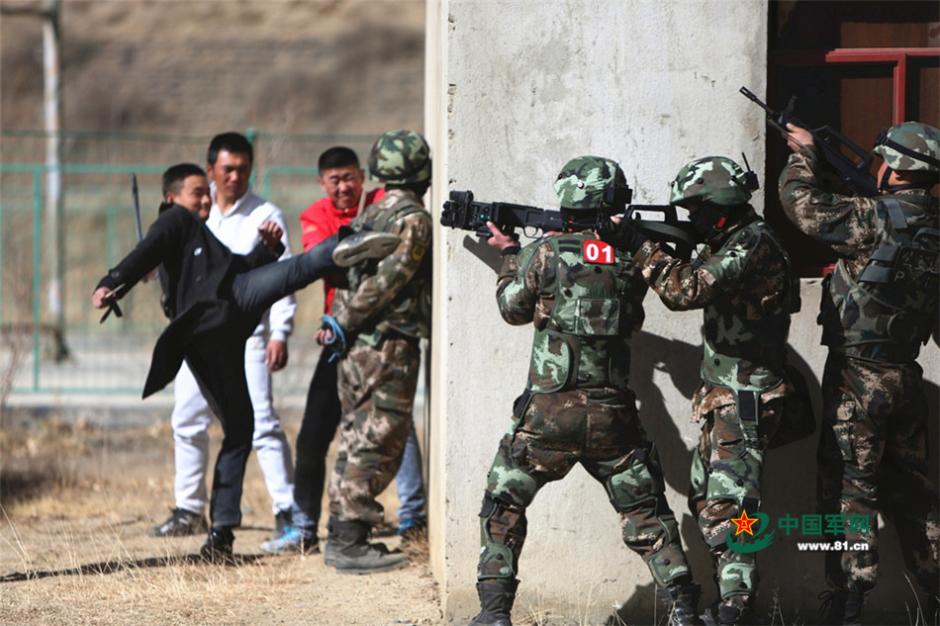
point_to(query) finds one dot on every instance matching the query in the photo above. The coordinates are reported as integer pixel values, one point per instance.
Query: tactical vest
(749, 354)
(586, 341)
(890, 310)
(410, 312)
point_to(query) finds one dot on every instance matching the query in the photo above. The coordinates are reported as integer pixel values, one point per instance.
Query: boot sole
(376, 247)
(360, 571)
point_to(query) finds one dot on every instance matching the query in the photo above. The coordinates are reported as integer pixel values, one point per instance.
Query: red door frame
(898, 57)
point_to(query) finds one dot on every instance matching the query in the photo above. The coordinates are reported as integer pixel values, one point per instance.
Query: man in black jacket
(216, 300)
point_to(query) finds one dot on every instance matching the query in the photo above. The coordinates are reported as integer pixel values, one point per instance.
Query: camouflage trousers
(600, 429)
(377, 390)
(873, 457)
(726, 479)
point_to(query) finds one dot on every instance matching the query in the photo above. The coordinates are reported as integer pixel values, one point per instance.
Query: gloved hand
(334, 337)
(623, 235)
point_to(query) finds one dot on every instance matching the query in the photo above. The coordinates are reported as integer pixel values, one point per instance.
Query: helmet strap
(884, 185)
(709, 220)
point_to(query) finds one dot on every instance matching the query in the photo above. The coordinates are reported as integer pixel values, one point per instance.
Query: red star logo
(744, 524)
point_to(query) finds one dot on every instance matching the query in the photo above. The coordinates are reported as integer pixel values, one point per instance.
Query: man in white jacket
(234, 218)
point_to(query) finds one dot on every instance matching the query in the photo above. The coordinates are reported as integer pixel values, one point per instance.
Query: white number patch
(598, 252)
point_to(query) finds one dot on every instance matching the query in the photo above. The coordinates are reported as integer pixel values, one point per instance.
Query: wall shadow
(111, 567)
(790, 579)
(789, 475)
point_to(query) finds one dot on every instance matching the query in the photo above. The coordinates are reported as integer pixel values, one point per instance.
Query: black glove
(624, 236)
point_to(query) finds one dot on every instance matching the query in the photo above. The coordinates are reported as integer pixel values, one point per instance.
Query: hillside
(198, 67)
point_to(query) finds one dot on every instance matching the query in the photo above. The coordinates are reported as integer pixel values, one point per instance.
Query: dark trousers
(321, 417)
(256, 290)
(217, 360)
(218, 364)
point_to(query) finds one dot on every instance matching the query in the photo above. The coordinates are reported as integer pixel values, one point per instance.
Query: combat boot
(364, 245)
(735, 614)
(681, 600)
(496, 598)
(352, 553)
(842, 607)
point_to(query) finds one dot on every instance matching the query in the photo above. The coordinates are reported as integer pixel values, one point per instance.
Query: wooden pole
(52, 117)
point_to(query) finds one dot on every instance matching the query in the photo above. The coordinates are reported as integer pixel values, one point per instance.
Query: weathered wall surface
(514, 90)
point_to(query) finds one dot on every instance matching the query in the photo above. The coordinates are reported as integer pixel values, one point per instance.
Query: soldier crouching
(743, 283)
(577, 407)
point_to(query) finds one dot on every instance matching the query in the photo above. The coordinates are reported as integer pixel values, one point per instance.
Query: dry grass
(76, 504)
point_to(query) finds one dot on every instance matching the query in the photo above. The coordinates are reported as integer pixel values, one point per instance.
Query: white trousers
(190, 421)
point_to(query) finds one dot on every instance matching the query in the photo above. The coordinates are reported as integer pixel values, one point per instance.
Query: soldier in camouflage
(584, 301)
(878, 306)
(379, 319)
(743, 283)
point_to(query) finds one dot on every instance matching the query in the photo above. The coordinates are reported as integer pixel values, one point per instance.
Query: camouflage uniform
(742, 281)
(577, 407)
(387, 309)
(873, 450)
(746, 290)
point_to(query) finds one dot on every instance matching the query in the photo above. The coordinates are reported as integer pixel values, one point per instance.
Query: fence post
(37, 270)
(52, 109)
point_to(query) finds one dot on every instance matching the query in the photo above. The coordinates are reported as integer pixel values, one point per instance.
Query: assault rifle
(461, 211)
(465, 213)
(830, 142)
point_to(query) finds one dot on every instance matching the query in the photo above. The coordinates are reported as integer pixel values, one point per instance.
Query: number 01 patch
(598, 252)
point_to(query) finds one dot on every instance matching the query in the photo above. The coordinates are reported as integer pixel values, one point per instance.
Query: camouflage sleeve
(392, 274)
(682, 286)
(846, 223)
(517, 287)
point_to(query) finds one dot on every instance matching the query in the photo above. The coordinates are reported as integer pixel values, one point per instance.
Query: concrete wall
(515, 89)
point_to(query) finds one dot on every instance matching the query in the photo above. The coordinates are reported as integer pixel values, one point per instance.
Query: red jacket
(321, 220)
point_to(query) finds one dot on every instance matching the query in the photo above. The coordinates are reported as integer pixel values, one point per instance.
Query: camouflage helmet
(591, 182)
(910, 146)
(717, 180)
(400, 157)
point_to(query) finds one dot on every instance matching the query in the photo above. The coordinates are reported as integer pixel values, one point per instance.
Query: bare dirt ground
(77, 501)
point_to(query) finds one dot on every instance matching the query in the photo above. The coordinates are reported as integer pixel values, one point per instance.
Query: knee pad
(503, 528)
(640, 483)
(737, 479)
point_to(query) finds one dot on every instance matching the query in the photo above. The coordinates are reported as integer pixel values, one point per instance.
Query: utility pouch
(798, 420)
(748, 410)
(520, 404)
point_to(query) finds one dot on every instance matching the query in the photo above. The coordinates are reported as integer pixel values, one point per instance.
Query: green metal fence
(99, 230)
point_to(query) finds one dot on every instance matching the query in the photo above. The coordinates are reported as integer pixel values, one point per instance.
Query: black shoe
(681, 600)
(218, 546)
(352, 553)
(282, 521)
(841, 607)
(496, 598)
(181, 523)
